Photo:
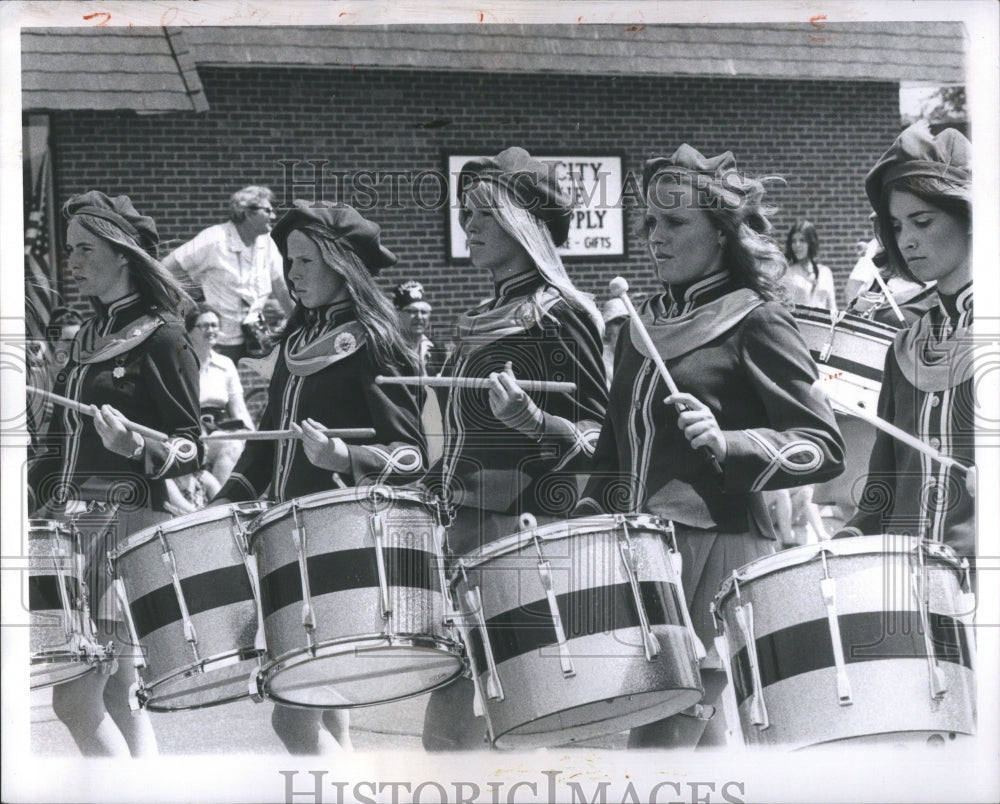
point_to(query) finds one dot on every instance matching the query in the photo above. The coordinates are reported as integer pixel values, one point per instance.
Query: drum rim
(851, 321)
(850, 546)
(49, 525)
(178, 524)
(351, 494)
(241, 654)
(322, 650)
(557, 530)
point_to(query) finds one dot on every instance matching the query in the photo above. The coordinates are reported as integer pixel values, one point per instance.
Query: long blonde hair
(533, 235)
(375, 313)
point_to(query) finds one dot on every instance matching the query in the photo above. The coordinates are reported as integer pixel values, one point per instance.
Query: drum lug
(378, 534)
(730, 708)
(299, 542)
(921, 592)
(828, 586)
(137, 696)
(565, 660)
(825, 352)
(171, 564)
(474, 604)
(649, 641)
(758, 710)
(123, 604)
(255, 686)
(677, 565)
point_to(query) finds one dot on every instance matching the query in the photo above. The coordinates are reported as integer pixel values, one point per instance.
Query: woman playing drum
(131, 361)
(508, 452)
(341, 335)
(921, 192)
(744, 376)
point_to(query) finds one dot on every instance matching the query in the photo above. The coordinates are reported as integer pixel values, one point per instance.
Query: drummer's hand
(321, 450)
(970, 481)
(512, 405)
(110, 426)
(699, 425)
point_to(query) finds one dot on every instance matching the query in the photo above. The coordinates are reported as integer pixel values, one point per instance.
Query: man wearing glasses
(235, 267)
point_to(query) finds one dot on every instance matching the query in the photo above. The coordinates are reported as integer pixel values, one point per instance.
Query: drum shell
(882, 637)
(56, 643)
(208, 550)
(614, 686)
(354, 656)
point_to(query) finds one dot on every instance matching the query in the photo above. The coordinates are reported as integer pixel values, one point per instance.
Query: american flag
(39, 297)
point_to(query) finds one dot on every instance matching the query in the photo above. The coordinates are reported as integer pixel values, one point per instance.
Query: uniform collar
(682, 298)
(332, 315)
(953, 305)
(107, 313)
(518, 285)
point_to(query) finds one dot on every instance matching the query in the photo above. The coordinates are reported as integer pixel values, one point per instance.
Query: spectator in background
(220, 393)
(807, 281)
(237, 267)
(414, 313)
(615, 315)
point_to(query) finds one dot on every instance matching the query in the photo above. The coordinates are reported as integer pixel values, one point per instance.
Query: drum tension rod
(299, 541)
(479, 702)
(69, 627)
(168, 559)
(474, 604)
(828, 588)
(730, 707)
(627, 552)
(545, 574)
(378, 534)
(239, 535)
(835, 320)
(677, 565)
(744, 618)
(921, 591)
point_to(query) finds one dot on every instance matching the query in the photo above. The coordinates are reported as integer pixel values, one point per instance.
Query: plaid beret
(339, 222)
(119, 211)
(916, 152)
(532, 182)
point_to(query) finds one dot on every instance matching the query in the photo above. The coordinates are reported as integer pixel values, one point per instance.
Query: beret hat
(339, 222)
(688, 161)
(532, 182)
(408, 293)
(916, 152)
(119, 211)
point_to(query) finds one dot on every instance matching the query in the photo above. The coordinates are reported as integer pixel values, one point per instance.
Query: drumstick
(619, 287)
(886, 427)
(87, 410)
(278, 435)
(888, 296)
(475, 382)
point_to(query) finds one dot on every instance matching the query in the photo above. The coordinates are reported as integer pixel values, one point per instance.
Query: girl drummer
(508, 452)
(744, 376)
(921, 192)
(341, 335)
(131, 361)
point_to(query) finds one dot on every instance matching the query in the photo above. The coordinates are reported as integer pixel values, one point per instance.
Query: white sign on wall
(595, 185)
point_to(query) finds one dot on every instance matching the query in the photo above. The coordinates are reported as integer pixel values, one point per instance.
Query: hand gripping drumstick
(475, 382)
(826, 391)
(619, 287)
(86, 410)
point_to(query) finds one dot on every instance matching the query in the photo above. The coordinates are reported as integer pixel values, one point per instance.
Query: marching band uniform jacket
(745, 359)
(141, 362)
(325, 371)
(927, 390)
(499, 470)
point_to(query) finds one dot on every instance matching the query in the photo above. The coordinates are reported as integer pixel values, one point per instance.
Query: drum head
(362, 673)
(211, 683)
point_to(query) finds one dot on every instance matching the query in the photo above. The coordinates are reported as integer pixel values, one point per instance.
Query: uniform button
(935, 400)
(935, 442)
(638, 404)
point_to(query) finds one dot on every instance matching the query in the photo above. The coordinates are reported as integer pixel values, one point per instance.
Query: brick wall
(181, 168)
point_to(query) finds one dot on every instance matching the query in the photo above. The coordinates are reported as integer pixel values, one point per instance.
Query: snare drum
(849, 639)
(850, 351)
(577, 629)
(190, 589)
(352, 599)
(63, 638)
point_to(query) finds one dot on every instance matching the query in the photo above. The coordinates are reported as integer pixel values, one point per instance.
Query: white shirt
(233, 276)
